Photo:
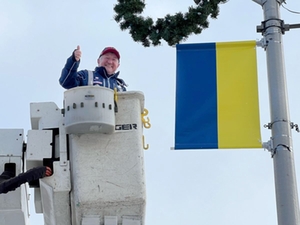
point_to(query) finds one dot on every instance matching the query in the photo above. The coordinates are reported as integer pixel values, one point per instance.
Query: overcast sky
(215, 187)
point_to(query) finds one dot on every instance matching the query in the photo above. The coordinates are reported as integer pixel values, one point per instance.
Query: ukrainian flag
(217, 96)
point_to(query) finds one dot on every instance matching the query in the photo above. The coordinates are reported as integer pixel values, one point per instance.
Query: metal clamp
(274, 22)
(268, 145)
(262, 43)
(293, 125)
(269, 125)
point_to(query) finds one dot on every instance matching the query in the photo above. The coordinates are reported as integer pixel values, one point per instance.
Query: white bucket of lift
(89, 109)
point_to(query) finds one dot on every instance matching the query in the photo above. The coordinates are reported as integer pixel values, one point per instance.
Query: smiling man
(104, 74)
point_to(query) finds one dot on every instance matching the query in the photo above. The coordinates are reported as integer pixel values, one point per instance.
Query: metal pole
(281, 140)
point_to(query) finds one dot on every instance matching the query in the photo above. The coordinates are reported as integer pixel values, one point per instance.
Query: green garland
(172, 29)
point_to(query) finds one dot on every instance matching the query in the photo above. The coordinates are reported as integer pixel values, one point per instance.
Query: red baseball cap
(111, 50)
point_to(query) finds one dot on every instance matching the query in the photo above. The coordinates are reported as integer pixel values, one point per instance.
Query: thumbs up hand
(77, 53)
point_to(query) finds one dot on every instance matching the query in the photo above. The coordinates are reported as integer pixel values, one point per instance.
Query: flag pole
(280, 143)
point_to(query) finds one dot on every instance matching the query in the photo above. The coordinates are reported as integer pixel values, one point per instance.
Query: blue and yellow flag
(217, 96)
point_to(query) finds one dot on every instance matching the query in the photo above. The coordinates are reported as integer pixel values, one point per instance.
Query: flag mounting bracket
(268, 146)
(274, 22)
(269, 125)
(292, 124)
(262, 43)
(274, 150)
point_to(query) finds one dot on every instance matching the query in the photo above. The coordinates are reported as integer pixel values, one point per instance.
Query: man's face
(110, 62)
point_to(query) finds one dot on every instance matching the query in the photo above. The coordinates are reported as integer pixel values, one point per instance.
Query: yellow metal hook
(146, 121)
(145, 146)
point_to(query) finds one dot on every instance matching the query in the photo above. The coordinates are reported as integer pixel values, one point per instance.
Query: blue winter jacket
(70, 77)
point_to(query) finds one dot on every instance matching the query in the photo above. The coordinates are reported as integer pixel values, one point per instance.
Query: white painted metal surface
(13, 205)
(44, 115)
(107, 171)
(38, 148)
(55, 196)
(110, 220)
(11, 142)
(52, 198)
(98, 176)
(91, 220)
(89, 109)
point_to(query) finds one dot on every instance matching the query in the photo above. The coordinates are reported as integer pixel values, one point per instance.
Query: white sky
(183, 187)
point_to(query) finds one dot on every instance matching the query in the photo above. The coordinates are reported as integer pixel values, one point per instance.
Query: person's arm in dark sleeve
(8, 183)
(69, 77)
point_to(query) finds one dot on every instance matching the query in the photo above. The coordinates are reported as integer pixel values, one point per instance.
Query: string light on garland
(173, 28)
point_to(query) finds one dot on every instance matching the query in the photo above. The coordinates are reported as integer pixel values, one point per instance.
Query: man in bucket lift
(104, 75)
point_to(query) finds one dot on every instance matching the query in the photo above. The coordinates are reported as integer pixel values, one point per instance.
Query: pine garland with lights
(173, 28)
